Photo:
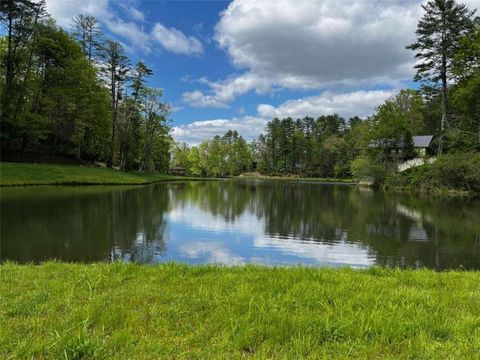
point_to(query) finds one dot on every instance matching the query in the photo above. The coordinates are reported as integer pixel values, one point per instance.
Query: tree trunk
(479, 133)
(21, 96)
(443, 120)
(9, 52)
(114, 119)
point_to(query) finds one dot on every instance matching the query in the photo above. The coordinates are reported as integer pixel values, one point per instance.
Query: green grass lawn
(41, 174)
(127, 311)
(12, 174)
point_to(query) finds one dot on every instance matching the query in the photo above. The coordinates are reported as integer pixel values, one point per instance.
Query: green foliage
(154, 132)
(56, 98)
(119, 310)
(40, 174)
(368, 169)
(325, 147)
(408, 146)
(439, 33)
(457, 140)
(456, 171)
(466, 93)
(306, 147)
(194, 161)
(228, 155)
(400, 113)
(86, 31)
(69, 94)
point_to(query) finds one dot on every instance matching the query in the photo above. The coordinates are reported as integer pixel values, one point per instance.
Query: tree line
(226, 155)
(76, 93)
(446, 105)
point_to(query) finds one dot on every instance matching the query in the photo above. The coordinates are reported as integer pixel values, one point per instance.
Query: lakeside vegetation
(74, 92)
(451, 173)
(48, 174)
(254, 176)
(371, 150)
(177, 311)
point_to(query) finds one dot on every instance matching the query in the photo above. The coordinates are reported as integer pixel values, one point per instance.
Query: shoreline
(27, 174)
(296, 178)
(40, 174)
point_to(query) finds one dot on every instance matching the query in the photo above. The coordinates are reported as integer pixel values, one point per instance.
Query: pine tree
(408, 146)
(115, 69)
(88, 34)
(438, 34)
(130, 124)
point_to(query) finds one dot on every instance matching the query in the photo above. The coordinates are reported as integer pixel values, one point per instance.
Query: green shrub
(342, 170)
(367, 169)
(456, 171)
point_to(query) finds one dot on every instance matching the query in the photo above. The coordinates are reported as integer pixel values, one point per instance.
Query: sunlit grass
(129, 311)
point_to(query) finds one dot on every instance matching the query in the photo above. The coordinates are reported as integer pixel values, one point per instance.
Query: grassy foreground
(44, 174)
(129, 311)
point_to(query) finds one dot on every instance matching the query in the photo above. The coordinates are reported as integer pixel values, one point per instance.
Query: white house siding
(414, 162)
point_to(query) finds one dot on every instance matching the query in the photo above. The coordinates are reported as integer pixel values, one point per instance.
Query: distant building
(420, 143)
(178, 171)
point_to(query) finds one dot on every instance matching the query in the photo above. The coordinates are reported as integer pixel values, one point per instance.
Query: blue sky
(237, 64)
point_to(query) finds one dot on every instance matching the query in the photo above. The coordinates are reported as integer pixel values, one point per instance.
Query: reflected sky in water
(238, 222)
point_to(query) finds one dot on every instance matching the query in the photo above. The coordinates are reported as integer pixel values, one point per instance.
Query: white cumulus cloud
(358, 103)
(175, 41)
(198, 131)
(132, 29)
(64, 10)
(328, 44)
(361, 103)
(223, 92)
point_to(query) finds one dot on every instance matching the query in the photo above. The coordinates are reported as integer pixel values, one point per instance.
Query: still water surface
(235, 222)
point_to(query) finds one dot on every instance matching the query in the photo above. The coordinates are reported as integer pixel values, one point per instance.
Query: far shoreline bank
(36, 174)
(40, 174)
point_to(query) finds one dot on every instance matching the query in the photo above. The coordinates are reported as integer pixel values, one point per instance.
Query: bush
(456, 171)
(367, 169)
(342, 171)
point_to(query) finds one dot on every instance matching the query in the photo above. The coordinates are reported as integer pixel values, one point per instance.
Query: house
(420, 143)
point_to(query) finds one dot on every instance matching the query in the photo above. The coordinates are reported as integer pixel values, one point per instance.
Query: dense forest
(75, 93)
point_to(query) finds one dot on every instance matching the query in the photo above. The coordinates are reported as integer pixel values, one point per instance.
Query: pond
(237, 222)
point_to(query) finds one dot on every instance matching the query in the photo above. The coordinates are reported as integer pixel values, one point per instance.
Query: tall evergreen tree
(408, 146)
(130, 121)
(87, 32)
(438, 34)
(115, 70)
(466, 95)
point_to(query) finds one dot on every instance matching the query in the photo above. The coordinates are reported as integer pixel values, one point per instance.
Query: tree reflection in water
(138, 223)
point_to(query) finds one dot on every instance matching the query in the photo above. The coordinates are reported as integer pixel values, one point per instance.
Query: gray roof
(422, 141)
